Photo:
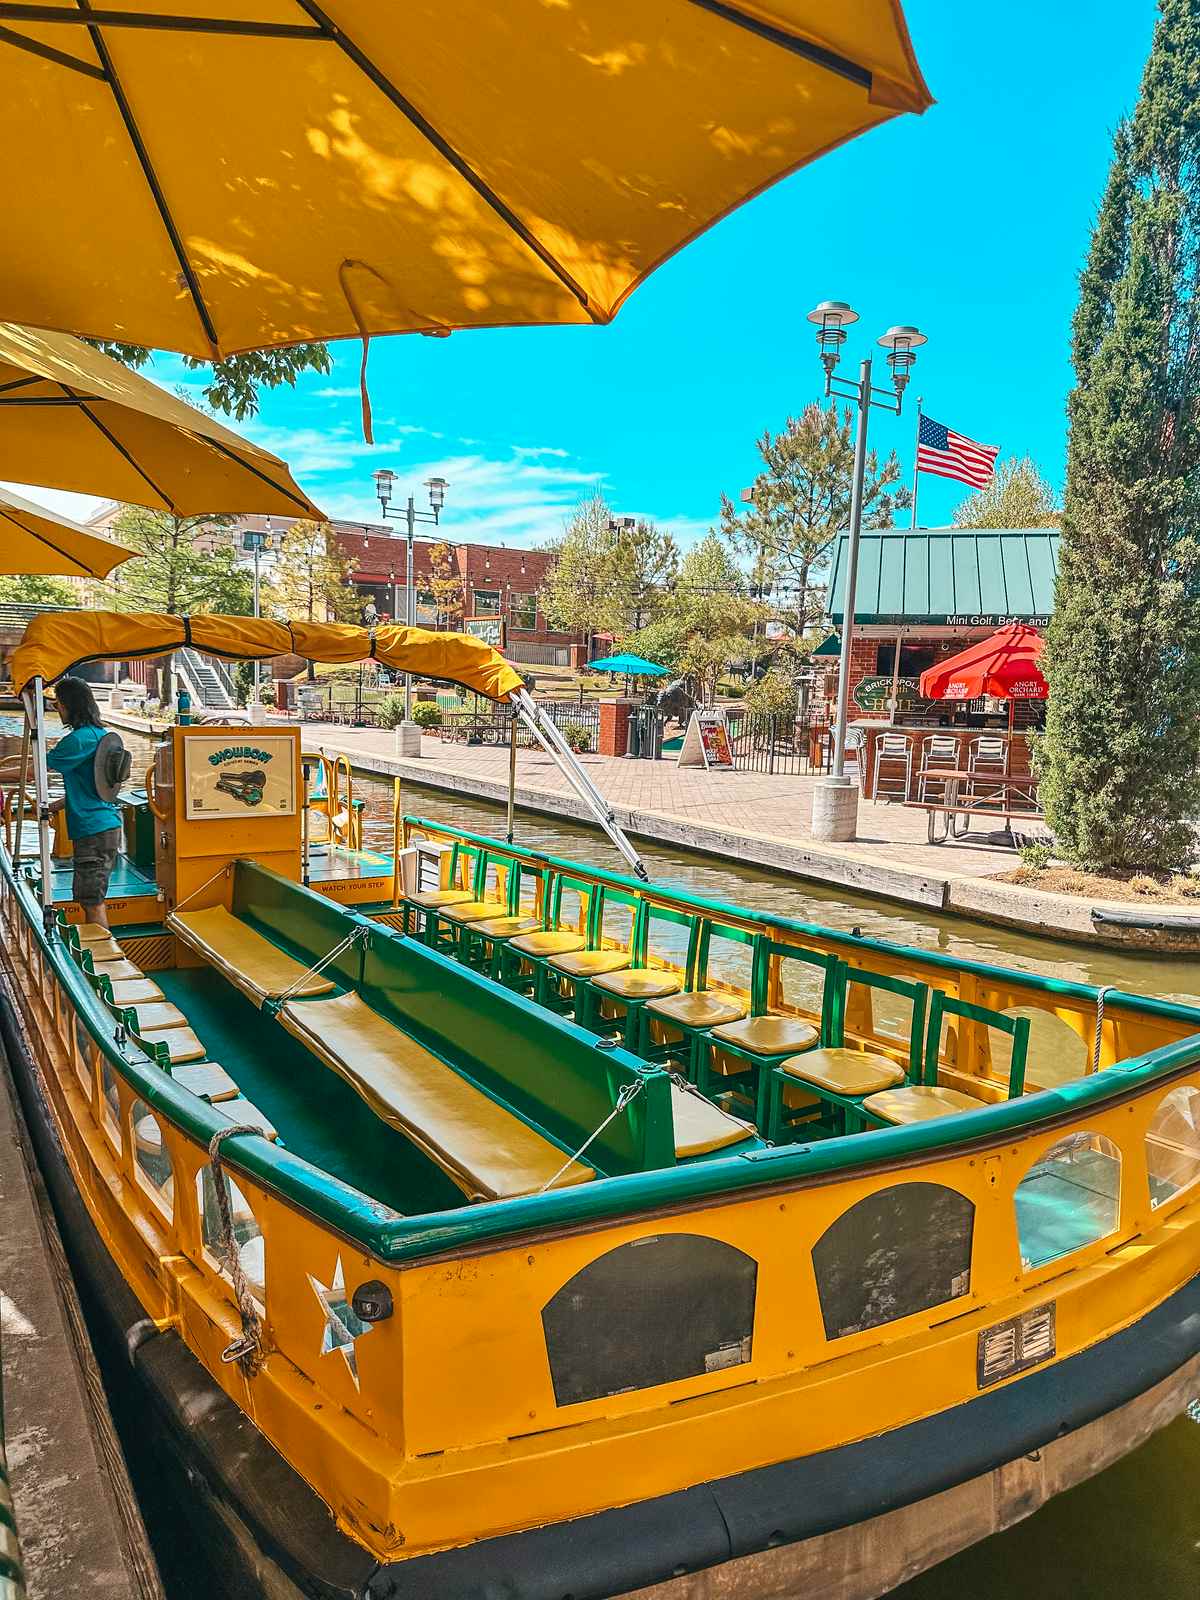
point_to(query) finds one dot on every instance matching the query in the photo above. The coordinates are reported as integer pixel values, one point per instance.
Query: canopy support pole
(22, 785)
(512, 774)
(35, 711)
(556, 747)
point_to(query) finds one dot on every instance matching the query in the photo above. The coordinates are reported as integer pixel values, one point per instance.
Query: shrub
(426, 714)
(266, 692)
(389, 713)
(1036, 855)
(774, 695)
(578, 737)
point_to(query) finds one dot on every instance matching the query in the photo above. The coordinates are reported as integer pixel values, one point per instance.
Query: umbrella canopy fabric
(631, 666)
(71, 418)
(359, 168)
(35, 540)
(57, 641)
(1004, 665)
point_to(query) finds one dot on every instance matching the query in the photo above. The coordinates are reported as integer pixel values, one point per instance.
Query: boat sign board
(706, 742)
(240, 776)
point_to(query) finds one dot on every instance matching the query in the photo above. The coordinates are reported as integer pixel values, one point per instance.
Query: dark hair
(76, 703)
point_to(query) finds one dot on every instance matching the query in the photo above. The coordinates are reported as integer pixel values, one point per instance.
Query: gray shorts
(95, 857)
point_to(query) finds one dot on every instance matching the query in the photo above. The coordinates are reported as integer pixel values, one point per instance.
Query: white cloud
(538, 450)
(349, 392)
(76, 507)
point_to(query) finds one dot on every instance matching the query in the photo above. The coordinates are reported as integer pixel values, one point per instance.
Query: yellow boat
(481, 1224)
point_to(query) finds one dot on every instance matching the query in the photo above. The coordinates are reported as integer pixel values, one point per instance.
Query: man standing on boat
(91, 777)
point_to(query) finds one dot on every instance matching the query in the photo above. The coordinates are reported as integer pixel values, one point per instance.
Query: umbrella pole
(21, 787)
(896, 670)
(35, 710)
(1012, 713)
(512, 773)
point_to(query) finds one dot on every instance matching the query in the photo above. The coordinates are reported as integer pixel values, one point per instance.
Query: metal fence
(784, 745)
(537, 655)
(491, 726)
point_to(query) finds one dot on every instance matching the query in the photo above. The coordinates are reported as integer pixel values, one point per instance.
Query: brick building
(496, 584)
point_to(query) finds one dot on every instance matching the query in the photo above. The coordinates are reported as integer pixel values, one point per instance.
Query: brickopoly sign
(873, 694)
(230, 778)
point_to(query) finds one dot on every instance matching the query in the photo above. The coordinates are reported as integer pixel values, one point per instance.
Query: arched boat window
(248, 1239)
(894, 1253)
(1069, 1198)
(1173, 1144)
(110, 1105)
(86, 1050)
(151, 1158)
(651, 1311)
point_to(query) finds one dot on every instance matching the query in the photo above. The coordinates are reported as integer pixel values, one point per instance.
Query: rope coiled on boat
(249, 1350)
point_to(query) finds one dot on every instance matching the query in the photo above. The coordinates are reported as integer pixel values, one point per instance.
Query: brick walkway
(748, 803)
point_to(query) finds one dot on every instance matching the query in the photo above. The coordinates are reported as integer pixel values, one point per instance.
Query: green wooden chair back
(768, 952)
(943, 1005)
(710, 930)
(673, 918)
(561, 883)
(917, 993)
(606, 897)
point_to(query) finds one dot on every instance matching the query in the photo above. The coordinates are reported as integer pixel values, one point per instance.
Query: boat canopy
(57, 641)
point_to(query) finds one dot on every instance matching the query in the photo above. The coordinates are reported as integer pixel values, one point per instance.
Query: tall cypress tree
(1120, 758)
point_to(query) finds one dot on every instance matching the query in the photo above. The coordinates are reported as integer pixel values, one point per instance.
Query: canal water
(1132, 1531)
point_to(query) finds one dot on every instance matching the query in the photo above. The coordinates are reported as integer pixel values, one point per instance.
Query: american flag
(953, 455)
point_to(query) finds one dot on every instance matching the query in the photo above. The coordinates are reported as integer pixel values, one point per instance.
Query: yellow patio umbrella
(35, 540)
(71, 418)
(354, 167)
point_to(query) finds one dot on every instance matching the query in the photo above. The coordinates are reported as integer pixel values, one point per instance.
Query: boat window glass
(1057, 1054)
(1173, 1144)
(896, 1252)
(152, 1159)
(248, 1239)
(110, 1105)
(879, 1013)
(571, 914)
(801, 986)
(1069, 1198)
(86, 1052)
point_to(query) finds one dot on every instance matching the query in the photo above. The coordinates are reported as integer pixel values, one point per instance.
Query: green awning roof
(960, 577)
(829, 647)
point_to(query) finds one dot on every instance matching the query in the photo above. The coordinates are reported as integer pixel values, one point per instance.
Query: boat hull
(848, 1523)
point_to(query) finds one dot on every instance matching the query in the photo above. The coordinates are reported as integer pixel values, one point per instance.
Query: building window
(427, 608)
(523, 610)
(487, 602)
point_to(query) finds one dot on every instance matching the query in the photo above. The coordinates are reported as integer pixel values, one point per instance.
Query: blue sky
(971, 222)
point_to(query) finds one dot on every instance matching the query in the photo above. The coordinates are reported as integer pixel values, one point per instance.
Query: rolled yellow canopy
(36, 540)
(361, 167)
(57, 641)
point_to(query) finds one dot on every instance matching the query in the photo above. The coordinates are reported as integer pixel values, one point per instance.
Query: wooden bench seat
(483, 1148)
(176, 1045)
(257, 967)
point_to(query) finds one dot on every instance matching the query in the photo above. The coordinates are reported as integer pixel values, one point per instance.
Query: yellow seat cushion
(253, 963)
(767, 1036)
(117, 970)
(182, 1044)
(483, 1148)
(700, 1009)
(207, 1079)
(135, 992)
(159, 1014)
(92, 932)
(102, 950)
(638, 983)
(553, 942)
(506, 927)
(848, 1072)
(472, 911)
(701, 1127)
(432, 899)
(920, 1103)
(245, 1111)
(589, 963)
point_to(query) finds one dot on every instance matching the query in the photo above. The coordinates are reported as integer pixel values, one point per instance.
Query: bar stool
(938, 750)
(988, 757)
(895, 749)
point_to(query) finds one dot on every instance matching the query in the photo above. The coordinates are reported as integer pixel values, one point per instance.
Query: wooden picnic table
(986, 789)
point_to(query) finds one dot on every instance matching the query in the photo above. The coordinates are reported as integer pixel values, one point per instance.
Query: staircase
(207, 681)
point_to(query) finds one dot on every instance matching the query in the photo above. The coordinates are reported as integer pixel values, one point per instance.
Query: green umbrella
(631, 666)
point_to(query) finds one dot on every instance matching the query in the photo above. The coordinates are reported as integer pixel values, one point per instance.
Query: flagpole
(916, 470)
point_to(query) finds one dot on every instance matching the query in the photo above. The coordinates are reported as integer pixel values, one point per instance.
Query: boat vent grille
(153, 952)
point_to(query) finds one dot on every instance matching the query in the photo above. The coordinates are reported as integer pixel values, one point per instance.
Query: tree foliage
(1120, 759)
(175, 570)
(607, 578)
(234, 383)
(706, 619)
(800, 502)
(34, 589)
(312, 580)
(1017, 497)
(445, 584)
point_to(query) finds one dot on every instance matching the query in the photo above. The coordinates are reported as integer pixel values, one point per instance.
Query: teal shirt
(75, 758)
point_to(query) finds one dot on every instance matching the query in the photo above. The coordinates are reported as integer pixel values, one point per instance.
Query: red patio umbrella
(1004, 665)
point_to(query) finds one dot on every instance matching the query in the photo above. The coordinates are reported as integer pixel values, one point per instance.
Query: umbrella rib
(160, 22)
(47, 52)
(507, 215)
(819, 54)
(151, 177)
(224, 449)
(121, 450)
(20, 383)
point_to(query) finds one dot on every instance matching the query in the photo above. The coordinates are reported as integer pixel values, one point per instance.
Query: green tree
(1017, 497)
(707, 619)
(647, 565)
(234, 383)
(1120, 759)
(445, 583)
(32, 589)
(312, 580)
(175, 571)
(582, 592)
(800, 502)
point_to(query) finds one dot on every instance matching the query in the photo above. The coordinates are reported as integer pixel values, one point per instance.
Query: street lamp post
(835, 799)
(384, 480)
(256, 543)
